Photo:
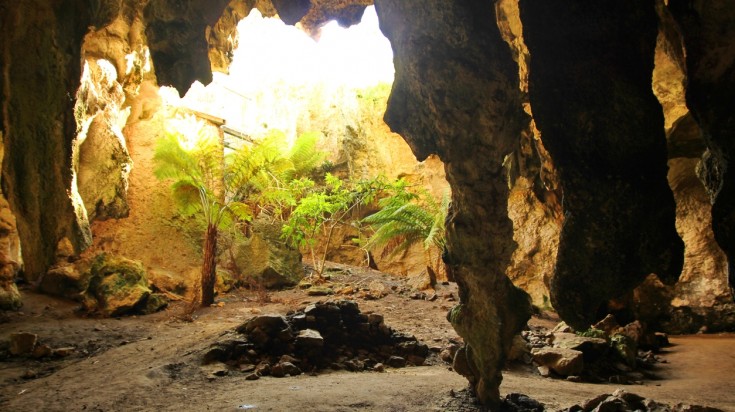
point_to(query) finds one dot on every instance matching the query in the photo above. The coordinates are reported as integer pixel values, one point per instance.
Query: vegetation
(407, 218)
(324, 208)
(226, 188)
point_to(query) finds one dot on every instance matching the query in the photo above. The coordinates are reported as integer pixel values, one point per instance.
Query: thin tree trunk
(209, 266)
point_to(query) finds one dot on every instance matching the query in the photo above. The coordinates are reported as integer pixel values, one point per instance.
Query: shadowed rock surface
(459, 98)
(590, 89)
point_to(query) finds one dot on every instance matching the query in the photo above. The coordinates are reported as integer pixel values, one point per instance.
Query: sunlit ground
(279, 72)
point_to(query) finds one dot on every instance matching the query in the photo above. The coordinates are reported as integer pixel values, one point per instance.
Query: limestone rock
(592, 348)
(117, 286)
(565, 362)
(10, 259)
(265, 259)
(104, 166)
(66, 281)
(10, 298)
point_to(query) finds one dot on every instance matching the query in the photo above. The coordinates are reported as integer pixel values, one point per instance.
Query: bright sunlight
(279, 73)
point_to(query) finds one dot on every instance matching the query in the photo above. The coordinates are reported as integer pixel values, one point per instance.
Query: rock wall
(590, 89)
(40, 61)
(10, 259)
(709, 40)
(456, 94)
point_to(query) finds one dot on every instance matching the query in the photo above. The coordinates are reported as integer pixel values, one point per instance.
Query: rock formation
(456, 94)
(709, 40)
(584, 81)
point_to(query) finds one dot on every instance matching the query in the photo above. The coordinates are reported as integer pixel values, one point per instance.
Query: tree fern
(227, 188)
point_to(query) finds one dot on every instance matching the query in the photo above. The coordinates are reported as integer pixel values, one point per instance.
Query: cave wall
(708, 34)
(590, 90)
(41, 45)
(456, 94)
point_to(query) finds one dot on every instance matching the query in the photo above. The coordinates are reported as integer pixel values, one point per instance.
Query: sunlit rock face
(590, 90)
(9, 258)
(701, 299)
(708, 33)
(456, 94)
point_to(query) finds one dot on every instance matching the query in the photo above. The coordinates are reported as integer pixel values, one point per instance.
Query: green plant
(407, 218)
(226, 188)
(324, 208)
(204, 183)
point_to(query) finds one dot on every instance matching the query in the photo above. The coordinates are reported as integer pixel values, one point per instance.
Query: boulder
(565, 362)
(117, 286)
(265, 259)
(592, 348)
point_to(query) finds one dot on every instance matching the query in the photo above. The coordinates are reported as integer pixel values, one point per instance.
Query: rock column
(456, 94)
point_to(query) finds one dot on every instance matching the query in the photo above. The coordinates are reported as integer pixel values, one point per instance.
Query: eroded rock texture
(176, 32)
(40, 62)
(590, 89)
(456, 94)
(709, 40)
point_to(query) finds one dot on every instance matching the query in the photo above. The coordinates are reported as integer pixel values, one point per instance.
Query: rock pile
(606, 352)
(623, 401)
(332, 335)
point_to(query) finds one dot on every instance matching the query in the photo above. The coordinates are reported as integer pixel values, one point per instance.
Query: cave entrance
(286, 84)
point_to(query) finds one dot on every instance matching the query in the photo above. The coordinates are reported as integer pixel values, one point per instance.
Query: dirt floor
(153, 363)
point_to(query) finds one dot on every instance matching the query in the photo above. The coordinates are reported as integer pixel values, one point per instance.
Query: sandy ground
(152, 363)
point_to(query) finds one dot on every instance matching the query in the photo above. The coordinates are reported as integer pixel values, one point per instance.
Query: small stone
(354, 365)
(63, 352)
(288, 358)
(396, 362)
(269, 324)
(22, 343)
(283, 369)
(319, 291)
(415, 360)
(309, 338)
(379, 367)
(565, 362)
(446, 356)
(247, 367)
(562, 327)
(29, 374)
(41, 351)
(574, 378)
(544, 371)
(263, 369)
(252, 377)
(375, 319)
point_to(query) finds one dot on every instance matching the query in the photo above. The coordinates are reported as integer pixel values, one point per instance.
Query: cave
(586, 147)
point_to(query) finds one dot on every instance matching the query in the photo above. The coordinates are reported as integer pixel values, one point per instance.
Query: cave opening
(128, 247)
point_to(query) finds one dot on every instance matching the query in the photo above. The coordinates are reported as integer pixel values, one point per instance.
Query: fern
(405, 219)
